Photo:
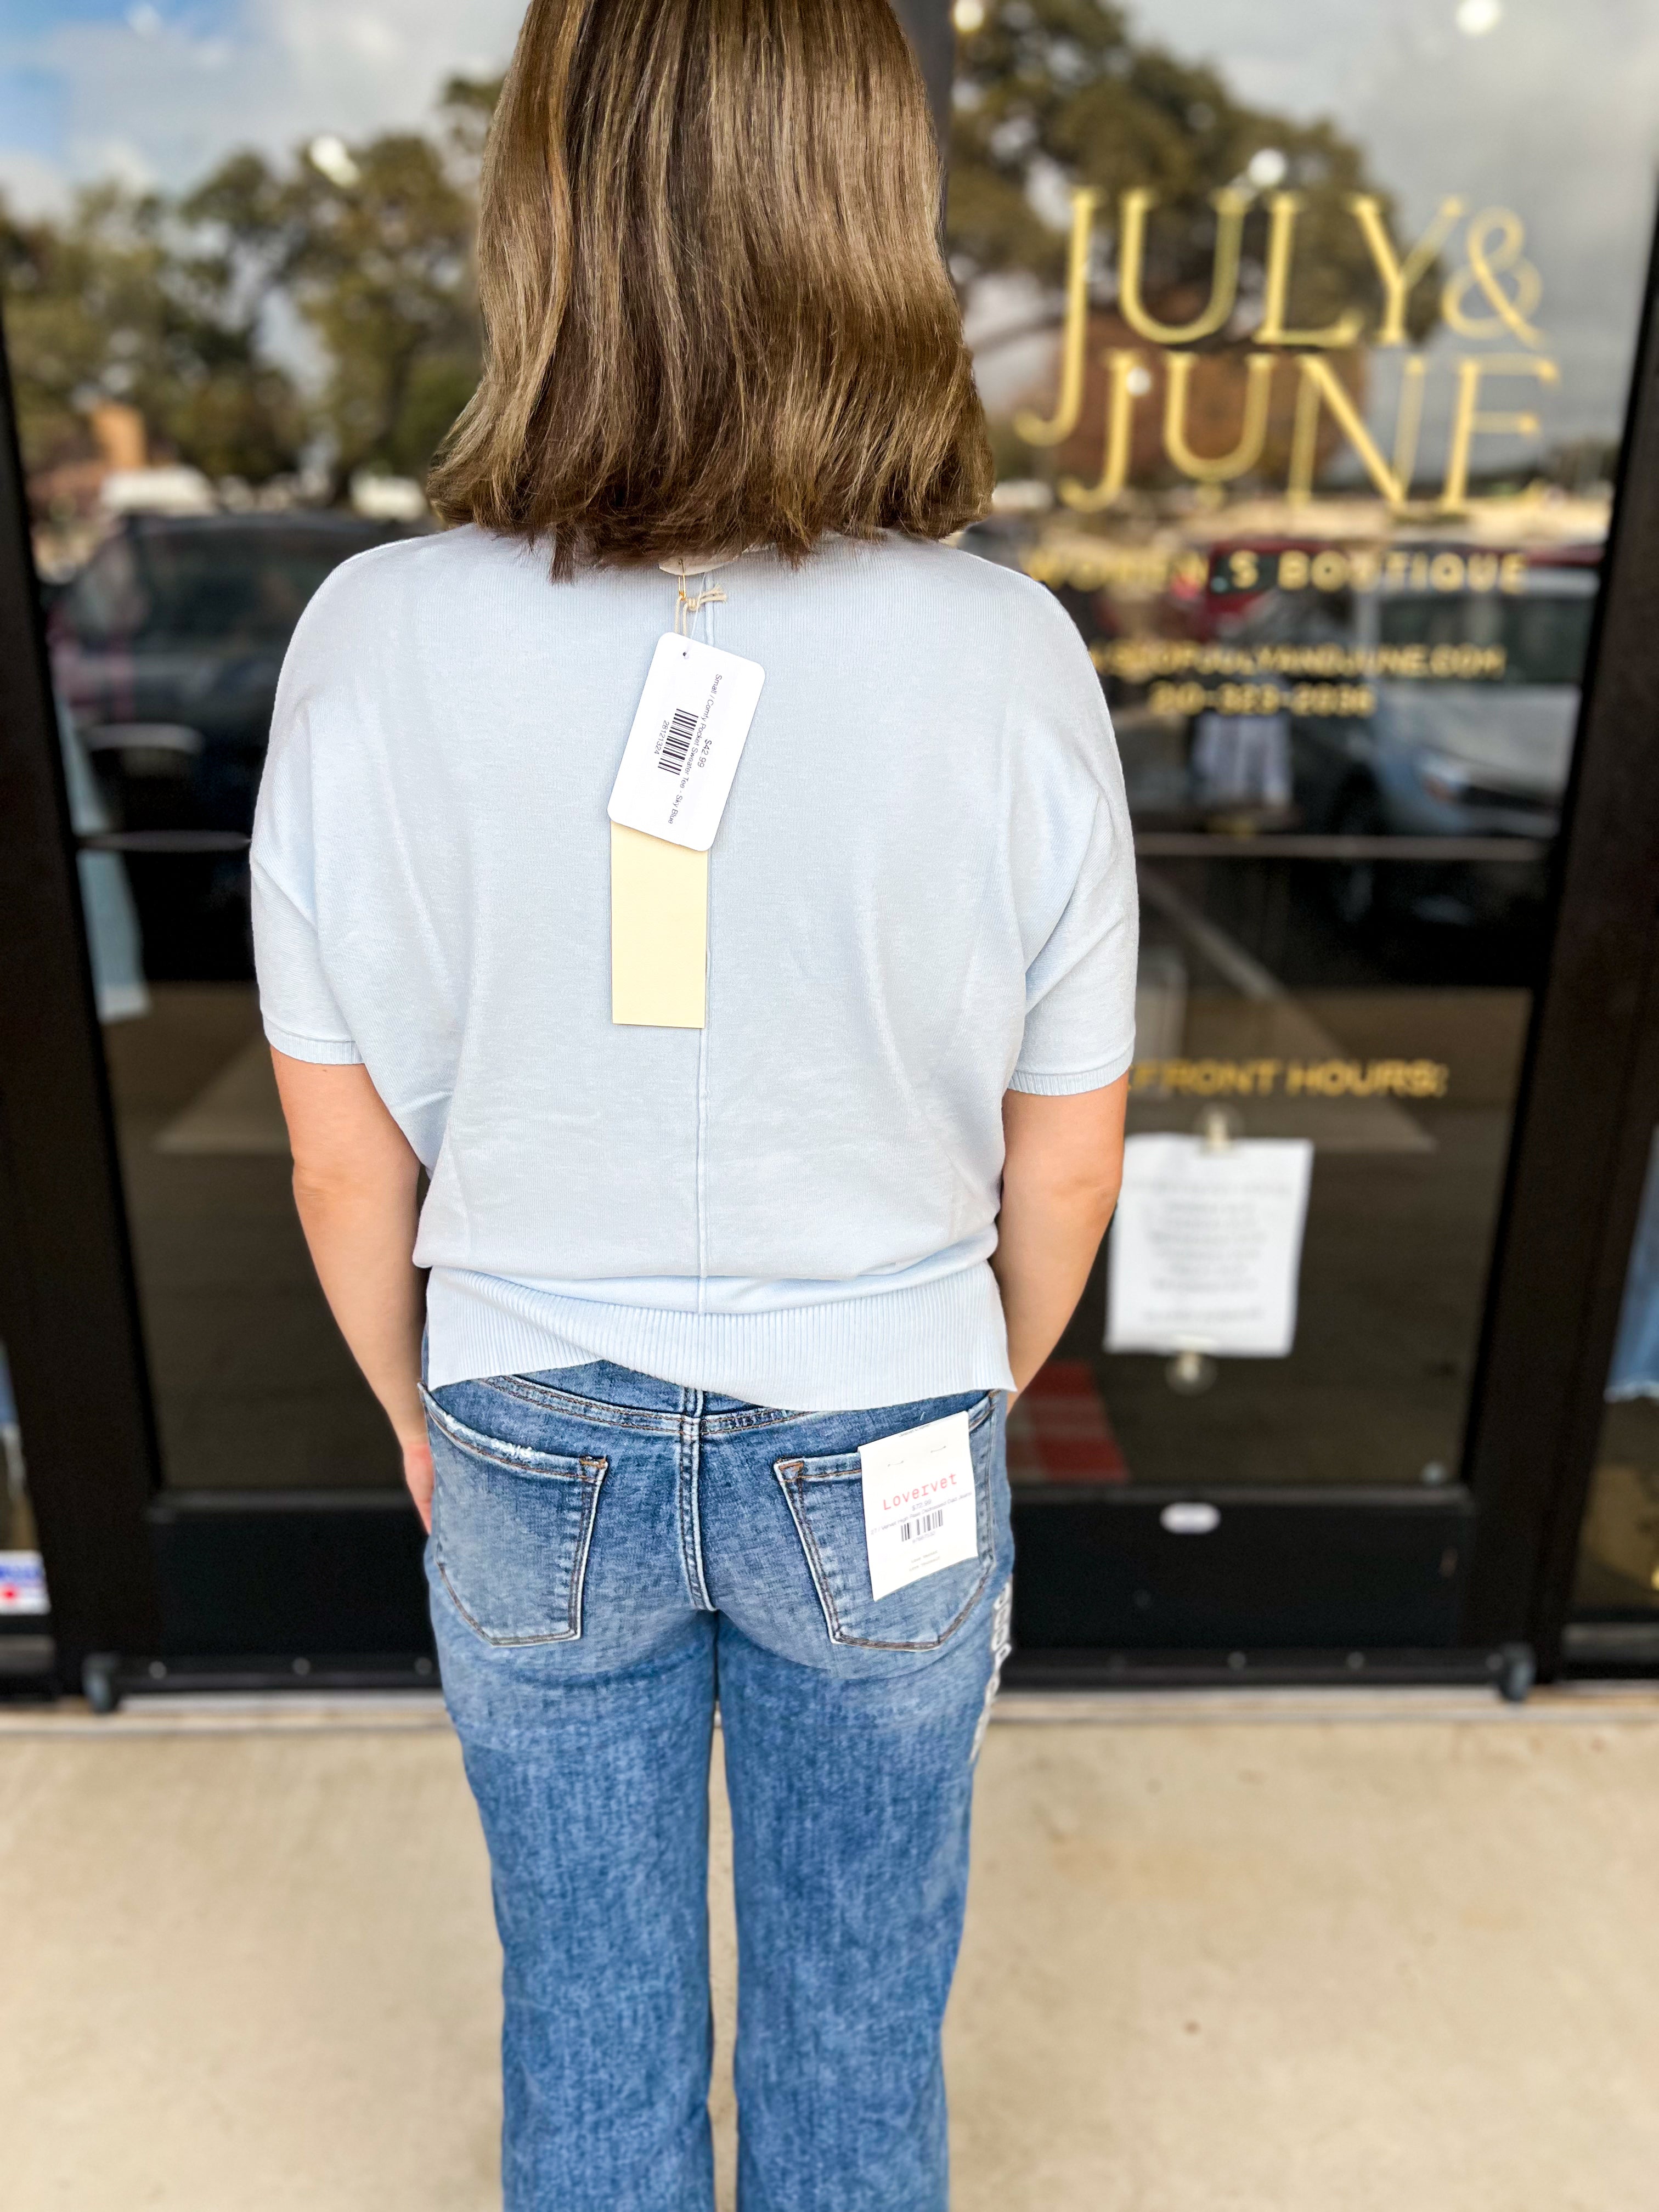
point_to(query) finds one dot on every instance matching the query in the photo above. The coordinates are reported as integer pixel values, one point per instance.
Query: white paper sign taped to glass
(1206, 1246)
(688, 736)
(920, 1510)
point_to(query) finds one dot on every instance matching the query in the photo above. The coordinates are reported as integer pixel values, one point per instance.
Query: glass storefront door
(232, 357)
(1307, 367)
(165, 647)
(1306, 379)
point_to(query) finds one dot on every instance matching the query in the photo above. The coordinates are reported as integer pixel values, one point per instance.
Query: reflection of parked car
(1478, 754)
(166, 649)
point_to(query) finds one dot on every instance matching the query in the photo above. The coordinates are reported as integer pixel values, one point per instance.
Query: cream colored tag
(658, 932)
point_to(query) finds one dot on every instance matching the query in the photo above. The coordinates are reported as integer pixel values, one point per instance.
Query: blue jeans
(610, 1556)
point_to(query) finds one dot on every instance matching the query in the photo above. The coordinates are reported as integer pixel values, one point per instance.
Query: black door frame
(326, 1585)
(69, 1309)
(1589, 1090)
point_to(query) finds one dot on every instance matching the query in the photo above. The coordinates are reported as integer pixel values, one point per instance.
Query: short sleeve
(1080, 982)
(297, 1004)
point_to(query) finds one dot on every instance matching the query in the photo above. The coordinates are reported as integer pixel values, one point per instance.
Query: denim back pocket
(826, 1497)
(511, 1529)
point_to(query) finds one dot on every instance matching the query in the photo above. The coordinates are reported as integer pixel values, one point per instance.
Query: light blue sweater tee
(921, 895)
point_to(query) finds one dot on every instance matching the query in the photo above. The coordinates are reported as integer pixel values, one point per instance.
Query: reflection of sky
(1554, 112)
(24, 18)
(158, 90)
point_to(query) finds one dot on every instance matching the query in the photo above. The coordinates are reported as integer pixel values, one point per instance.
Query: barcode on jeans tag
(678, 743)
(919, 1502)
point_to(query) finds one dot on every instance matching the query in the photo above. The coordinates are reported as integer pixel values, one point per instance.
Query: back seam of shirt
(702, 1045)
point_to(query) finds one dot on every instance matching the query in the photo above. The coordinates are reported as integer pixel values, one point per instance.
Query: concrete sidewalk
(1224, 1954)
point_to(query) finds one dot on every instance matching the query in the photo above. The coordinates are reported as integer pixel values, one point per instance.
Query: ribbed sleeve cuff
(322, 1052)
(1070, 1085)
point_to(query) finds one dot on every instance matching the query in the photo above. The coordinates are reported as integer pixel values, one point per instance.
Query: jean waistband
(608, 1384)
(603, 1392)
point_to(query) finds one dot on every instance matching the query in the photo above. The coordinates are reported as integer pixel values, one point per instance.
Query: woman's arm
(355, 1181)
(1060, 1182)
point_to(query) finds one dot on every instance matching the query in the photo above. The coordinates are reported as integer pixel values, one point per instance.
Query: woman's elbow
(1096, 1198)
(1088, 1191)
(330, 1184)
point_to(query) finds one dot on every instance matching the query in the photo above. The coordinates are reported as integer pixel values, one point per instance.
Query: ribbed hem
(1071, 1085)
(927, 1340)
(321, 1051)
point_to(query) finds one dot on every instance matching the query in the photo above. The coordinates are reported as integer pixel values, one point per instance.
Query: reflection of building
(67, 497)
(69, 491)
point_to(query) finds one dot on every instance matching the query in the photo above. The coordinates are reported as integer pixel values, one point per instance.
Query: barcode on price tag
(920, 1512)
(688, 736)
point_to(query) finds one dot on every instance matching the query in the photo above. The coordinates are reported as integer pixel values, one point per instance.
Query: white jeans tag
(688, 736)
(920, 1508)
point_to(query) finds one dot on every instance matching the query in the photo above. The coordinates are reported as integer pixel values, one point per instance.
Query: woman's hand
(418, 1475)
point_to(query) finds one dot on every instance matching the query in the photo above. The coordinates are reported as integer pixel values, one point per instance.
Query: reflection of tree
(374, 258)
(112, 303)
(1052, 94)
(170, 306)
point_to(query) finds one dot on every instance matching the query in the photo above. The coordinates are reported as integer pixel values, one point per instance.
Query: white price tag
(920, 1510)
(688, 736)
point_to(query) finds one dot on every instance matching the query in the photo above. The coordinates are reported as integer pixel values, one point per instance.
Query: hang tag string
(691, 604)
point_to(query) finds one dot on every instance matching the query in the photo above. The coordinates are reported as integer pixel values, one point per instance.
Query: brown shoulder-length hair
(715, 312)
